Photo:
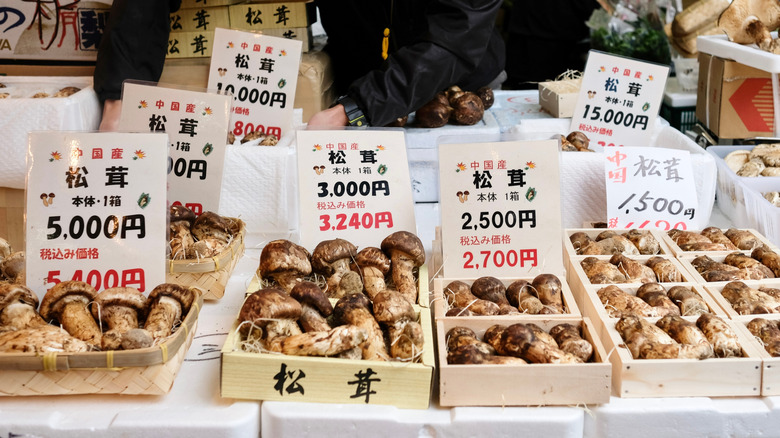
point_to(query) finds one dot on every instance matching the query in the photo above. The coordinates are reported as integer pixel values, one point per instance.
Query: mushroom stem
(403, 276)
(373, 281)
(20, 315)
(340, 267)
(181, 240)
(353, 309)
(77, 320)
(287, 280)
(312, 320)
(122, 320)
(162, 316)
(277, 331)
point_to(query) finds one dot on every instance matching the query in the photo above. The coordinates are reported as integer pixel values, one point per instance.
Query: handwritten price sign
(650, 188)
(503, 212)
(96, 210)
(354, 185)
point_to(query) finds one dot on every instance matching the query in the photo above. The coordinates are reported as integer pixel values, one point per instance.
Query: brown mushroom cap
(181, 213)
(265, 305)
(183, 295)
(405, 242)
(283, 256)
(489, 288)
(348, 302)
(118, 296)
(328, 251)
(12, 266)
(457, 286)
(12, 294)
(309, 293)
(62, 293)
(210, 224)
(514, 290)
(390, 306)
(373, 257)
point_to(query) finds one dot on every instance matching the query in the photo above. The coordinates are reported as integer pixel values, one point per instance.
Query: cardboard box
(559, 97)
(531, 384)
(285, 15)
(201, 19)
(12, 217)
(71, 33)
(733, 100)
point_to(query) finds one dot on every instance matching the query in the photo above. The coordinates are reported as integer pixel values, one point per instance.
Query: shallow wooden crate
(594, 309)
(770, 375)
(717, 377)
(440, 306)
(678, 252)
(715, 288)
(147, 371)
(580, 283)
(209, 275)
(267, 376)
(687, 264)
(522, 385)
(570, 251)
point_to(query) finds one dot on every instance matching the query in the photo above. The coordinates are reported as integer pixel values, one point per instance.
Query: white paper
(96, 210)
(501, 209)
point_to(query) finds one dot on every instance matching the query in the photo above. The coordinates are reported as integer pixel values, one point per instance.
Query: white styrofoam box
(748, 54)
(260, 186)
(21, 114)
(583, 186)
(676, 96)
(762, 215)
(730, 188)
(511, 106)
(427, 138)
(288, 419)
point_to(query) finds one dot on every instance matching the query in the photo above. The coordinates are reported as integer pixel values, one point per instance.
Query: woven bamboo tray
(131, 372)
(209, 275)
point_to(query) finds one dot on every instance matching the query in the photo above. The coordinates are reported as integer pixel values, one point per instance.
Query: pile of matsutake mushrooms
(518, 344)
(576, 141)
(631, 242)
(11, 264)
(769, 334)
(622, 269)
(191, 237)
(73, 317)
(715, 239)
(746, 300)
(454, 106)
(652, 299)
(373, 317)
(762, 263)
(489, 296)
(674, 337)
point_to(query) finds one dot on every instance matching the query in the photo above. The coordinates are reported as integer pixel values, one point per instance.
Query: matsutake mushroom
(331, 258)
(406, 252)
(180, 236)
(168, 305)
(285, 262)
(119, 308)
(270, 315)
(67, 302)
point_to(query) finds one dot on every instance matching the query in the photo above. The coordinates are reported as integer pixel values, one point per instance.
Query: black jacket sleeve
(133, 45)
(461, 46)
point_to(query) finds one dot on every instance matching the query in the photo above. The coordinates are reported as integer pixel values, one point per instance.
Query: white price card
(354, 185)
(261, 72)
(196, 123)
(650, 187)
(619, 100)
(96, 210)
(500, 209)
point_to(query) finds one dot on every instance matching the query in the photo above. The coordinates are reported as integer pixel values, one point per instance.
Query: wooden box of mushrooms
(204, 250)
(682, 356)
(762, 263)
(540, 361)
(714, 241)
(334, 325)
(764, 330)
(79, 341)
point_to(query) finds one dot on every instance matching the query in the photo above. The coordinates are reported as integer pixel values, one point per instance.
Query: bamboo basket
(209, 275)
(149, 370)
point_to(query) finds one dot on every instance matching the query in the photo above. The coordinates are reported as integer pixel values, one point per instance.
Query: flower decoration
(207, 111)
(461, 167)
(530, 164)
(317, 147)
(142, 104)
(55, 156)
(380, 148)
(139, 154)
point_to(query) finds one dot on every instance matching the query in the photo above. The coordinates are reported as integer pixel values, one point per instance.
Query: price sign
(196, 124)
(501, 209)
(261, 72)
(651, 188)
(619, 100)
(96, 210)
(354, 185)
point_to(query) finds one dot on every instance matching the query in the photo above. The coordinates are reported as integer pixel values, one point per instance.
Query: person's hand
(112, 108)
(329, 118)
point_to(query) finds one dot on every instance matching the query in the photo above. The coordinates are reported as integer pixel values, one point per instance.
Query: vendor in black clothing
(546, 38)
(431, 45)
(133, 47)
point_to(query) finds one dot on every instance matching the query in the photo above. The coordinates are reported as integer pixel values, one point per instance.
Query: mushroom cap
(181, 213)
(328, 251)
(390, 306)
(13, 265)
(309, 293)
(62, 293)
(489, 288)
(118, 296)
(407, 243)
(349, 302)
(514, 290)
(185, 296)
(373, 257)
(11, 293)
(210, 224)
(44, 195)
(264, 305)
(457, 286)
(282, 256)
